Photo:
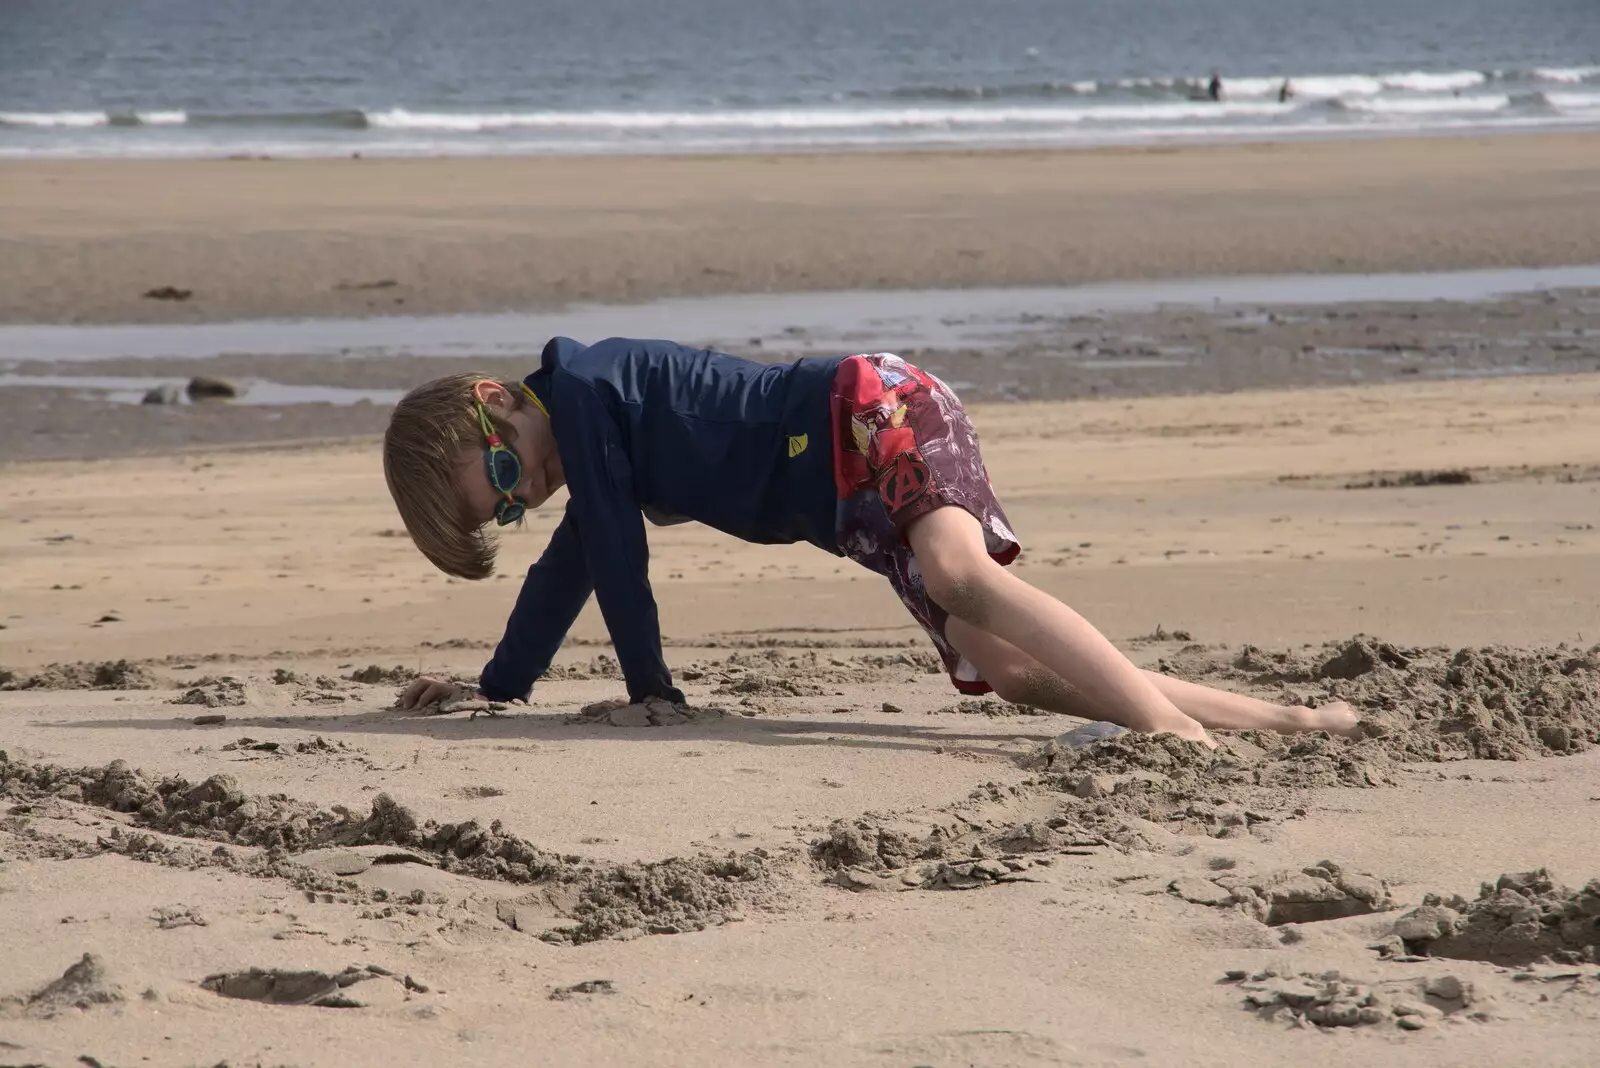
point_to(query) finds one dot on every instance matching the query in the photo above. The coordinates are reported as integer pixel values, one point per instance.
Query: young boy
(863, 456)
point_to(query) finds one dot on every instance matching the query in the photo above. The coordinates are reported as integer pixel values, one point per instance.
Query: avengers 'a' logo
(903, 481)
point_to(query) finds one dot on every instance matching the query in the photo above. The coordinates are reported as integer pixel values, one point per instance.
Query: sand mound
(1491, 703)
(1329, 999)
(1516, 920)
(680, 894)
(668, 897)
(1324, 891)
(1132, 790)
(864, 844)
(83, 986)
(1131, 780)
(862, 854)
(83, 675)
(214, 691)
(1417, 705)
(373, 674)
(651, 712)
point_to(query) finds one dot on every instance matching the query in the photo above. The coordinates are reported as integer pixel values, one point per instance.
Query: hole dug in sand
(353, 988)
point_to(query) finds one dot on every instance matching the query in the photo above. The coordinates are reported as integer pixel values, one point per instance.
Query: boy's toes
(1340, 720)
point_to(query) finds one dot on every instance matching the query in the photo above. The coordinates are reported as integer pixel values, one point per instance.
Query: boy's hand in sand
(426, 690)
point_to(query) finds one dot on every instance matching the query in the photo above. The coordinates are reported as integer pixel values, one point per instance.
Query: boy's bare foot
(1190, 732)
(1335, 717)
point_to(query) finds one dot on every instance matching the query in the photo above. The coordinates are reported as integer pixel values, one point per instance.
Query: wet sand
(83, 241)
(870, 870)
(1155, 352)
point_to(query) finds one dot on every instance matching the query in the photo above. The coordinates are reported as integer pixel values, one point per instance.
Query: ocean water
(487, 77)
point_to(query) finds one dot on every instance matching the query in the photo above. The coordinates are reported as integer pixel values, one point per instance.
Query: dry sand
(83, 241)
(869, 870)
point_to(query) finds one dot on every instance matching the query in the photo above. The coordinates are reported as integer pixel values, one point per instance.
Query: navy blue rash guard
(652, 427)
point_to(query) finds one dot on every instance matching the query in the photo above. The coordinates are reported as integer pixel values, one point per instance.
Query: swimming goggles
(504, 468)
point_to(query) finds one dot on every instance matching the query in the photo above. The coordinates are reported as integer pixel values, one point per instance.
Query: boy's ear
(494, 395)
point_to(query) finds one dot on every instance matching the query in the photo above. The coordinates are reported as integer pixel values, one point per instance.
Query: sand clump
(83, 675)
(214, 691)
(600, 666)
(1324, 891)
(651, 712)
(1516, 920)
(83, 986)
(374, 674)
(667, 897)
(1330, 999)
(862, 854)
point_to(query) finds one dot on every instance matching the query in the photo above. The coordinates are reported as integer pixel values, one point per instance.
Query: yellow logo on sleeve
(797, 444)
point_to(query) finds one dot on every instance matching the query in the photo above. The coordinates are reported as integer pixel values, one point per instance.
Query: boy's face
(541, 465)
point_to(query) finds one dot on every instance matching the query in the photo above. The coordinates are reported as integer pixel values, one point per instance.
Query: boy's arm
(555, 591)
(611, 528)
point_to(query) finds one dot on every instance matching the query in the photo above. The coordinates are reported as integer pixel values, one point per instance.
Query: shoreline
(66, 402)
(82, 405)
(1135, 141)
(336, 237)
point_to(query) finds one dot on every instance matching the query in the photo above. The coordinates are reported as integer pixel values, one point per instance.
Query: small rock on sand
(167, 394)
(205, 387)
(168, 293)
(588, 986)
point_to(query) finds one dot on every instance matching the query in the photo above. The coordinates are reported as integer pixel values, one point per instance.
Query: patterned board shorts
(903, 447)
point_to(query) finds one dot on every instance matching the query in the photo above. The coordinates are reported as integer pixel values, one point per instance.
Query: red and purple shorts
(903, 447)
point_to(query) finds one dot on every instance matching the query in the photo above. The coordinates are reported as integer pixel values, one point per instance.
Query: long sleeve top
(655, 428)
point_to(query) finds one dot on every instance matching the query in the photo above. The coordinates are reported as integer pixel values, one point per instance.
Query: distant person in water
(1214, 89)
(1286, 92)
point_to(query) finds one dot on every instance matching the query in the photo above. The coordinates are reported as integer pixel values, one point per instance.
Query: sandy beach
(255, 584)
(82, 241)
(220, 843)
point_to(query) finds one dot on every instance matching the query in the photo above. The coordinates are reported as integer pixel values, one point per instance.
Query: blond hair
(433, 432)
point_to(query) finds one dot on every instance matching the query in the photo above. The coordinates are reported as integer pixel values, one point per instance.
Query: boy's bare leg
(961, 577)
(1018, 677)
